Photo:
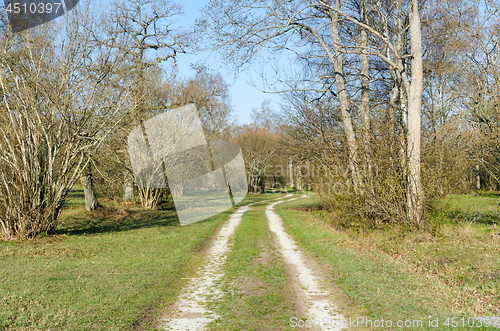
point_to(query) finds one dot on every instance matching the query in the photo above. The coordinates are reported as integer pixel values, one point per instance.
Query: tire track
(311, 290)
(190, 311)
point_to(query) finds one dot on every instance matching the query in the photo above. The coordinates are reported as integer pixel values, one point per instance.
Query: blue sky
(244, 95)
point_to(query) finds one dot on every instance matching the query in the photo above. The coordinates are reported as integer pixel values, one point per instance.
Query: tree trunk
(365, 97)
(415, 191)
(91, 202)
(128, 188)
(478, 177)
(392, 112)
(338, 65)
(150, 197)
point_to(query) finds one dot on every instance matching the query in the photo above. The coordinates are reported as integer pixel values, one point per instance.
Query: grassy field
(114, 269)
(117, 269)
(399, 275)
(484, 202)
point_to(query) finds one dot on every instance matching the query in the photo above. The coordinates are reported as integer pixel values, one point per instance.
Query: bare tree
(87, 182)
(51, 119)
(324, 32)
(140, 35)
(210, 94)
(482, 84)
(415, 194)
(265, 116)
(259, 146)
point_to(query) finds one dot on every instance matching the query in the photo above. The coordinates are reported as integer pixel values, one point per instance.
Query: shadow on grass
(75, 198)
(105, 219)
(489, 194)
(473, 217)
(76, 221)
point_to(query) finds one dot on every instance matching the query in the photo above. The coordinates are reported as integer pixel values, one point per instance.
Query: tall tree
(259, 146)
(140, 35)
(321, 31)
(415, 194)
(210, 93)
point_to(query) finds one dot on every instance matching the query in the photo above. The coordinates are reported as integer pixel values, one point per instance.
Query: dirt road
(313, 298)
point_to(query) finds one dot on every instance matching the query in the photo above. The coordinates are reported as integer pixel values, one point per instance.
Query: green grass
(75, 197)
(401, 275)
(118, 269)
(113, 269)
(471, 209)
(485, 202)
(256, 285)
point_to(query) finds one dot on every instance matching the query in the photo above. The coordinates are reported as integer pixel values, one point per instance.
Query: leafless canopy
(53, 115)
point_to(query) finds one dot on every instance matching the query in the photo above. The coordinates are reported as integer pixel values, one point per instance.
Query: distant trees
(210, 93)
(207, 90)
(460, 96)
(444, 145)
(265, 116)
(482, 84)
(361, 93)
(263, 148)
(259, 146)
(72, 92)
(139, 37)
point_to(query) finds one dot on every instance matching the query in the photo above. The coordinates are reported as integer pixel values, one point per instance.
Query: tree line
(401, 93)
(385, 105)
